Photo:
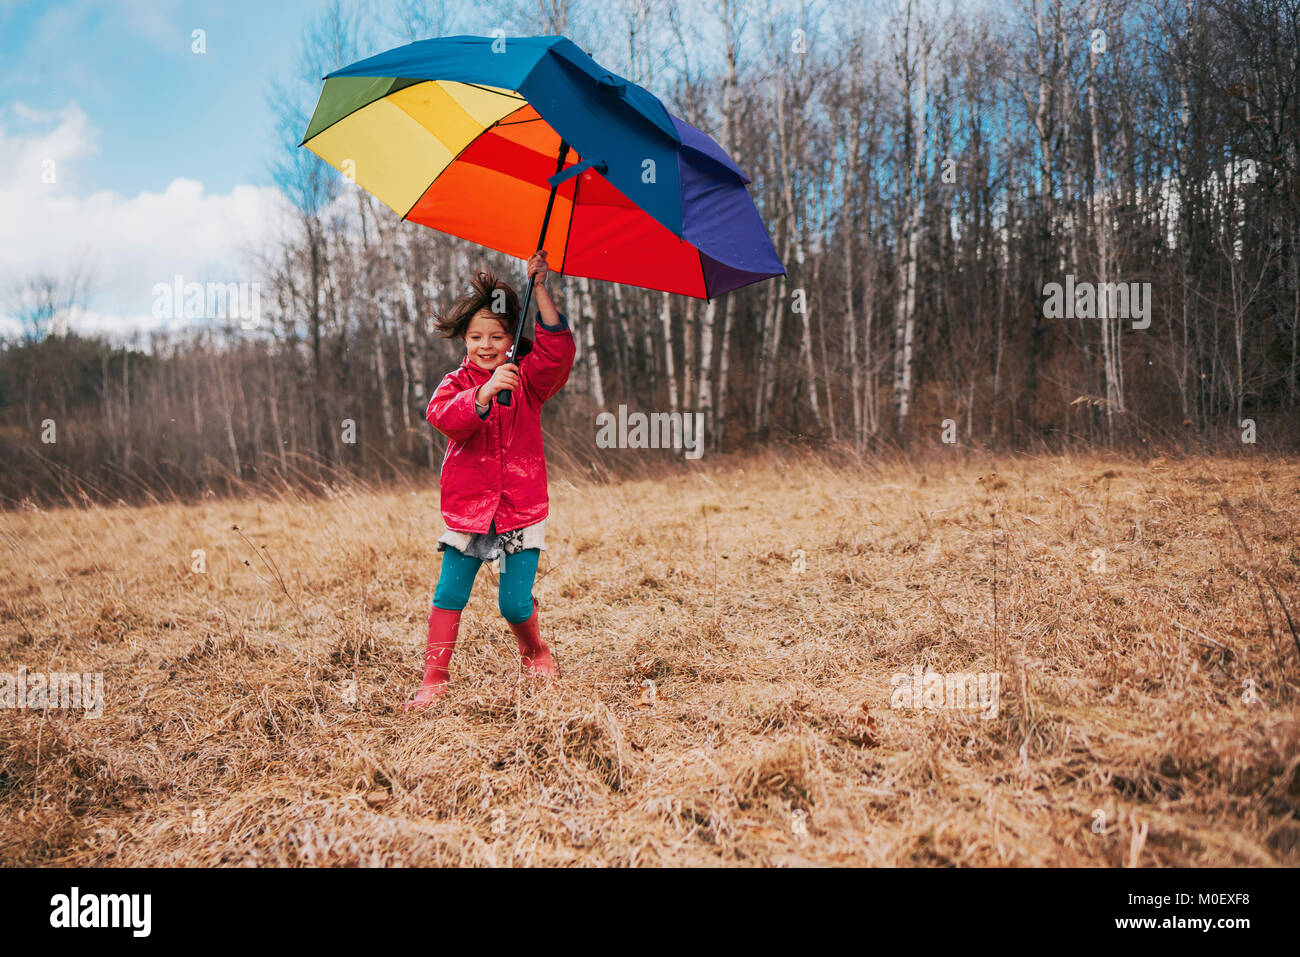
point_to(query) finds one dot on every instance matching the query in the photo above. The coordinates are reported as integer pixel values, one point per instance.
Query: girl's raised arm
(545, 370)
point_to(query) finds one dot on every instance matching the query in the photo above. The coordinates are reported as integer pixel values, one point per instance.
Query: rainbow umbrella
(484, 138)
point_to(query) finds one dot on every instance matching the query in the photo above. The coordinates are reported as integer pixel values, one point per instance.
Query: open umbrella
(485, 138)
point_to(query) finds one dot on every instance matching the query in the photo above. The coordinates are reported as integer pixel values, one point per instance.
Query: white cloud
(129, 243)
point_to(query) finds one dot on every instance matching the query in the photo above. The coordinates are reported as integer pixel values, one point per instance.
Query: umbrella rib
(358, 109)
(564, 256)
(486, 129)
(510, 94)
(513, 94)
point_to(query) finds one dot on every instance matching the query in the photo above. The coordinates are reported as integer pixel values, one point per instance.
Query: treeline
(1034, 225)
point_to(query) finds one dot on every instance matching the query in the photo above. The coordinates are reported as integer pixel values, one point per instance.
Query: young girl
(494, 473)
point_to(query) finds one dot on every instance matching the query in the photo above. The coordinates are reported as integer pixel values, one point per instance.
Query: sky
(135, 149)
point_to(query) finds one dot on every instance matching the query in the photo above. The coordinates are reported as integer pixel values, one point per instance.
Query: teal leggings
(515, 597)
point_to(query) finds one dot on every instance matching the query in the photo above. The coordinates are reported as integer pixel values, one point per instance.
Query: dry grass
(717, 704)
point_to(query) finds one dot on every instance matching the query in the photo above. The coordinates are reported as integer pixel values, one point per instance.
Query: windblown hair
(482, 294)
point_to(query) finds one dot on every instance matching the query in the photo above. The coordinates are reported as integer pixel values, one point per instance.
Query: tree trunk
(666, 318)
(724, 364)
(706, 365)
(595, 387)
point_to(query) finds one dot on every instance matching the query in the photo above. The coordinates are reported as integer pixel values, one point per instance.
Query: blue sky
(159, 110)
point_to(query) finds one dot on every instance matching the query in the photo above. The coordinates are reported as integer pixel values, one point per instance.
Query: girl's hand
(537, 267)
(505, 378)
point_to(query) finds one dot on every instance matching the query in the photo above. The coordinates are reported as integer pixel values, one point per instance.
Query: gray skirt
(490, 545)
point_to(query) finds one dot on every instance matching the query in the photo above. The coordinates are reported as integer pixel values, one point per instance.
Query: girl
(494, 473)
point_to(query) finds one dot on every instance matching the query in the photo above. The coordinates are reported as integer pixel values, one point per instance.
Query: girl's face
(486, 339)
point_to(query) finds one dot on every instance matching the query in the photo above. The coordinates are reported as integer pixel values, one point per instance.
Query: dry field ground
(726, 638)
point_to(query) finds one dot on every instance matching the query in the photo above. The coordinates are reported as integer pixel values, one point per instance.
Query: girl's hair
(483, 294)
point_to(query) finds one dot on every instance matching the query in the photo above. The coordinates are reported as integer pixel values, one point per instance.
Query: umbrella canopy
(463, 134)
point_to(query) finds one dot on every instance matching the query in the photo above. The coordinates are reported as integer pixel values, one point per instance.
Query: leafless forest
(927, 171)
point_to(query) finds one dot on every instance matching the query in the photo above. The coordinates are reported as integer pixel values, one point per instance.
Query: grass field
(727, 640)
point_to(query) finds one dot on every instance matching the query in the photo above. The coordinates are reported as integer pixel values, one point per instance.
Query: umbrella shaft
(541, 238)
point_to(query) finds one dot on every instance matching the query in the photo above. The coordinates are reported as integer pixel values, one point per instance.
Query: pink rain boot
(534, 652)
(443, 626)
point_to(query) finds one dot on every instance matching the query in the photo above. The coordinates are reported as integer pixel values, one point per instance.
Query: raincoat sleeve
(452, 412)
(546, 369)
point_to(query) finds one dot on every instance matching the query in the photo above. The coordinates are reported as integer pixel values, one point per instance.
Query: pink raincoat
(495, 467)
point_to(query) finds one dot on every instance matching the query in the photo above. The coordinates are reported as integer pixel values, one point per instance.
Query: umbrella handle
(503, 397)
